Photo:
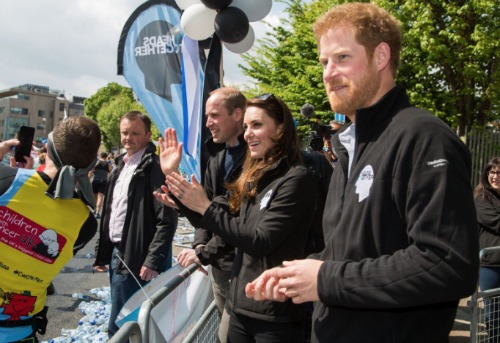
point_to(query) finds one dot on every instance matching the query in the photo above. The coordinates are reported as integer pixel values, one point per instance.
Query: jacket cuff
(199, 253)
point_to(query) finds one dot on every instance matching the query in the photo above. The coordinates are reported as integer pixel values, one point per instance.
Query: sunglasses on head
(271, 97)
(265, 96)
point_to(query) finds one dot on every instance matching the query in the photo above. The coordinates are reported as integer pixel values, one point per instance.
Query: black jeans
(243, 329)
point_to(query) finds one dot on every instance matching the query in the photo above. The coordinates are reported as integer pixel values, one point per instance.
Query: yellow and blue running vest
(37, 235)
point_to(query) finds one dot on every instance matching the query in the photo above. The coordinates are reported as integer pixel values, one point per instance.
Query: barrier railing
(129, 332)
(205, 331)
(206, 326)
(485, 314)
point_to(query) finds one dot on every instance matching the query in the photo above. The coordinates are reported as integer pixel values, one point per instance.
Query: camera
(320, 134)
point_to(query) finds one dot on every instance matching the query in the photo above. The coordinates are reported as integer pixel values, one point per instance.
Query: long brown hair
(484, 189)
(286, 148)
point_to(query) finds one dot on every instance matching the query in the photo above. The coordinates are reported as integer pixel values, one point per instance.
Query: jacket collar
(213, 148)
(371, 119)
(150, 150)
(279, 167)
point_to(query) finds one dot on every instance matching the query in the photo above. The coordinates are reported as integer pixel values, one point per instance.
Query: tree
(108, 118)
(105, 94)
(286, 63)
(107, 106)
(449, 60)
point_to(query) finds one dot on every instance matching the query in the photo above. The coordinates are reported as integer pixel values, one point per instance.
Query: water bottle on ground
(81, 296)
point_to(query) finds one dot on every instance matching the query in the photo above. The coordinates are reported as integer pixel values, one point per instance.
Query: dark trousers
(243, 329)
(122, 287)
(220, 286)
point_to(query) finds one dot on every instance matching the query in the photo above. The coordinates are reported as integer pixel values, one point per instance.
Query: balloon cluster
(228, 19)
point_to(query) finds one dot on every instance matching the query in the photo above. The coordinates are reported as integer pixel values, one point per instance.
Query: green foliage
(449, 59)
(286, 63)
(108, 118)
(107, 106)
(105, 94)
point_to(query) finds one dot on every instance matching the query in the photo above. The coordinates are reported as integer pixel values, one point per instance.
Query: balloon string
(142, 288)
(221, 67)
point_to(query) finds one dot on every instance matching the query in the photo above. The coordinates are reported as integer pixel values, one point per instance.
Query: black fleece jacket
(400, 233)
(216, 251)
(149, 225)
(488, 217)
(272, 228)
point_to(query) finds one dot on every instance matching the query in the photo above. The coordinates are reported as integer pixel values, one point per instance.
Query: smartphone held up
(25, 136)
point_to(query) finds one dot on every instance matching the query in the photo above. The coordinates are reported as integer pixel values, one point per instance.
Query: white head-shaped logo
(265, 199)
(53, 249)
(48, 236)
(364, 182)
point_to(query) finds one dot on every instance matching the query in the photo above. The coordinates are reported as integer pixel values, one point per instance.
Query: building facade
(36, 106)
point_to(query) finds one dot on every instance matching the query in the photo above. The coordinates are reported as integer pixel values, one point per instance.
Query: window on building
(2, 109)
(13, 125)
(23, 96)
(61, 106)
(41, 113)
(40, 126)
(19, 110)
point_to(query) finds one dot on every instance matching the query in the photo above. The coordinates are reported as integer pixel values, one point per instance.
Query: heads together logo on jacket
(28, 237)
(364, 182)
(265, 199)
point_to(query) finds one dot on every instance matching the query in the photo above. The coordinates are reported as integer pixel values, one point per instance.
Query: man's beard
(359, 95)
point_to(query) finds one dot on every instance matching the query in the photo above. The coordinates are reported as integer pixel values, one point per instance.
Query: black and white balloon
(231, 25)
(198, 22)
(183, 4)
(244, 45)
(229, 19)
(216, 4)
(254, 9)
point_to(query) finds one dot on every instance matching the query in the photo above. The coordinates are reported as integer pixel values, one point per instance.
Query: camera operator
(321, 135)
(335, 125)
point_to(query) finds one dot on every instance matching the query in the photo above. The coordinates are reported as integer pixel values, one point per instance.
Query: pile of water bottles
(93, 326)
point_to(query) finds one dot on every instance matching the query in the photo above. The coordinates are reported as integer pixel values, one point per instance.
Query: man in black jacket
(135, 227)
(224, 109)
(401, 240)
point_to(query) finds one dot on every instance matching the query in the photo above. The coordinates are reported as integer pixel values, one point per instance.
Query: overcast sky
(71, 45)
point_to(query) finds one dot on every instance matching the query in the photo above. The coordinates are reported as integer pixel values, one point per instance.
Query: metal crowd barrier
(138, 332)
(205, 331)
(129, 332)
(485, 314)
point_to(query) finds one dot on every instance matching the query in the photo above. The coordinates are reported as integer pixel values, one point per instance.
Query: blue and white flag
(166, 76)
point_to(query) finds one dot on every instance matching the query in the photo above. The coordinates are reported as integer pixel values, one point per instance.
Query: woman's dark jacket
(488, 217)
(270, 229)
